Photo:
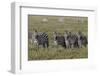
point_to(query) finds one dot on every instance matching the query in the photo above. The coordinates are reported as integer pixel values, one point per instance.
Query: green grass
(57, 53)
(69, 23)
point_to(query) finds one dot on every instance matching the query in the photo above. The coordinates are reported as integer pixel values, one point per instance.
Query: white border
(19, 39)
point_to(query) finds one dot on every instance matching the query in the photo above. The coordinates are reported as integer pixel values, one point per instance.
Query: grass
(57, 53)
(73, 24)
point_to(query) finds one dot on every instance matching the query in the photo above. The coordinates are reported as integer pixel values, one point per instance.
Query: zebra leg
(72, 46)
(47, 45)
(66, 44)
(80, 44)
(43, 45)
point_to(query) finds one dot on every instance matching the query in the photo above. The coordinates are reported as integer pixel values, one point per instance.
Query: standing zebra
(79, 35)
(40, 38)
(59, 40)
(55, 38)
(82, 39)
(71, 40)
(66, 39)
(30, 39)
(75, 37)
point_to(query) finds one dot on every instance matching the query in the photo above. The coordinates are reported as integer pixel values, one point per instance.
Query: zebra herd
(67, 40)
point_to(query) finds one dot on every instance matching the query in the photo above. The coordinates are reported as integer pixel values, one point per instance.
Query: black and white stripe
(68, 40)
(59, 40)
(41, 38)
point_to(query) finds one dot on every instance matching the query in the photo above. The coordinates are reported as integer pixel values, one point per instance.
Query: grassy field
(49, 24)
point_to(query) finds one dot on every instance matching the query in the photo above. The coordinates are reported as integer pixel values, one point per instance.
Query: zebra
(72, 40)
(59, 39)
(79, 35)
(54, 38)
(66, 33)
(30, 37)
(82, 39)
(40, 38)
